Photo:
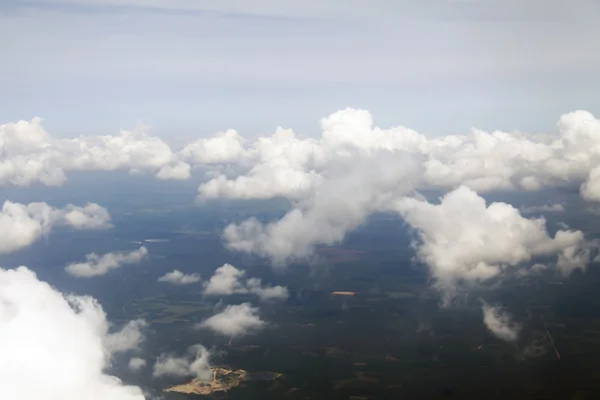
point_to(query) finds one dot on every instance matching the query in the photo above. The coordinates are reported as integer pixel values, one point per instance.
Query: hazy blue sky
(189, 67)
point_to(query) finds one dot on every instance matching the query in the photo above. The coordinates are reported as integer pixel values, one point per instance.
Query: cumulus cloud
(227, 280)
(266, 293)
(23, 224)
(233, 321)
(500, 323)
(128, 338)
(466, 242)
(176, 277)
(355, 169)
(285, 165)
(136, 364)
(59, 340)
(30, 155)
(196, 363)
(358, 184)
(180, 171)
(224, 148)
(97, 265)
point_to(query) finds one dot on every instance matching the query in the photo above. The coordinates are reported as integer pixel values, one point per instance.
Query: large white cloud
(357, 185)
(285, 165)
(279, 165)
(466, 242)
(354, 169)
(97, 265)
(30, 155)
(23, 224)
(62, 342)
(234, 321)
(228, 280)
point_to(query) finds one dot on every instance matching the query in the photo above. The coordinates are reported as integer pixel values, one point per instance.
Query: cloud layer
(355, 169)
(480, 160)
(23, 224)
(30, 155)
(98, 265)
(287, 165)
(62, 341)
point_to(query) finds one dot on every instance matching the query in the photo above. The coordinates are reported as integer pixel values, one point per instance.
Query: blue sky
(190, 67)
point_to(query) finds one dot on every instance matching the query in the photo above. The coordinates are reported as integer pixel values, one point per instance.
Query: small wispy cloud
(97, 265)
(177, 277)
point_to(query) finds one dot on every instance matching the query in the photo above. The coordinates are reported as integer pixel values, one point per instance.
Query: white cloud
(30, 155)
(136, 364)
(266, 293)
(97, 265)
(177, 277)
(227, 280)
(285, 165)
(91, 216)
(577, 257)
(233, 321)
(179, 171)
(466, 242)
(60, 340)
(356, 185)
(500, 323)
(23, 224)
(224, 148)
(278, 165)
(336, 181)
(128, 338)
(196, 363)
(355, 169)
(562, 225)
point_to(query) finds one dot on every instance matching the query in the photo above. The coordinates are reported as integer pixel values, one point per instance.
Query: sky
(188, 68)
